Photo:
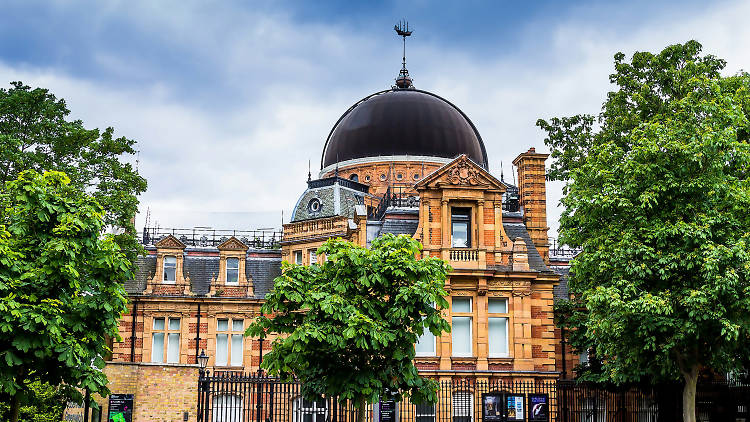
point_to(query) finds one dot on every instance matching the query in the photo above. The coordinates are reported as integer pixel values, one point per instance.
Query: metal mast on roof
(402, 29)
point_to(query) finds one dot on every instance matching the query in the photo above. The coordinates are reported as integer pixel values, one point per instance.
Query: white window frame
(454, 407)
(227, 407)
(467, 315)
(164, 269)
(166, 331)
(312, 253)
(226, 271)
(230, 333)
(427, 333)
(298, 411)
(499, 316)
(297, 257)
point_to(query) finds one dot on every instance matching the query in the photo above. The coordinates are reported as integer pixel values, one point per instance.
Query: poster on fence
(120, 408)
(492, 407)
(538, 408)
(514, 407)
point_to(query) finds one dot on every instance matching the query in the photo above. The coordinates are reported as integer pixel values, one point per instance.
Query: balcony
(465, 258)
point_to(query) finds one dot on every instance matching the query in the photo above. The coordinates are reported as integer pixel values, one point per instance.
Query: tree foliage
(61, 293)
(348, 327)
(35, 134)
(45, 403)
(657, 195)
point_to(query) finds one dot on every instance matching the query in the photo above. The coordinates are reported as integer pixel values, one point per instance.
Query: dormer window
(460, 227)
(170, 269)
(233, 270)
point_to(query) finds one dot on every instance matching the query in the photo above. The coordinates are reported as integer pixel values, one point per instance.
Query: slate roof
(561, 290)
(348, 200)
(202, 269)
(398, 227)
(514, 230)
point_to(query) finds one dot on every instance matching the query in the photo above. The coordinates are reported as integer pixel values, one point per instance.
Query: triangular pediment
(232, 244)
(170, 242)
(462, 172)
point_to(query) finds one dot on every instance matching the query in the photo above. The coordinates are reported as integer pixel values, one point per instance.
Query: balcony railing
(208, 237)
(464, 255)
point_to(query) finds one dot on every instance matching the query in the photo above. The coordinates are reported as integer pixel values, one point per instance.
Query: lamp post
(202, 382)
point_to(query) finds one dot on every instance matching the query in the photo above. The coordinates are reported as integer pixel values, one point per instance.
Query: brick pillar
(532, 189)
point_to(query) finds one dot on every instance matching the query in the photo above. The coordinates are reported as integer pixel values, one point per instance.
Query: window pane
(461, 304)
(426, 344)
(157, 347)
(498, 336)
(298, 257)
(222, 349)
(174, 323)
(313, 257)
(462, 406)
(237, 350)
(170, 268)
(223, 325)
(498, 306)
(460, 233)
(461, 333)
(233, 263)
(237, 325)
(173, 348)
(158, 323)
(233, 270)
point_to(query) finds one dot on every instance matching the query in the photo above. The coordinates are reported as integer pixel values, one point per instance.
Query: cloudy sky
(229, 100)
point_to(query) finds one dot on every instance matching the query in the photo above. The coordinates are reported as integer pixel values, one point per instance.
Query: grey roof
(263, 271)
(399, 226)
(201, 269)
(561, 290)
(514, 230)
(144, 269)
(347, 201)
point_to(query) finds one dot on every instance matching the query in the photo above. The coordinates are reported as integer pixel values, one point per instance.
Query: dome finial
(403, 80)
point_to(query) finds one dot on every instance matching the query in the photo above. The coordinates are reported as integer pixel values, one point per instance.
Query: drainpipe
(198, 333)
(562, 343)
(132, 330)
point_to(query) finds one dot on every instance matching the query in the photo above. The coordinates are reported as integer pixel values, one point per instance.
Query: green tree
(61, 293)
(348, 327)
(35, 134)
(45, 403)
(658, 194)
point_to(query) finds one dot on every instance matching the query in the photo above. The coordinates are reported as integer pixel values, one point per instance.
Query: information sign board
(538, 408)
(492, 407)
(387, 411)
(515, 407)
(120, 408)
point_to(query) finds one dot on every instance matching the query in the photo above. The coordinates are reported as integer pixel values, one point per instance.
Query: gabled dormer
(231, 280)
(461, 215)
(169, 276)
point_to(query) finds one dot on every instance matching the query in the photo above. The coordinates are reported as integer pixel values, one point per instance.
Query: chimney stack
(532, 189)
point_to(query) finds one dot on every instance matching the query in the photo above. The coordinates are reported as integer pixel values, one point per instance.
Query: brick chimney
(532, 189)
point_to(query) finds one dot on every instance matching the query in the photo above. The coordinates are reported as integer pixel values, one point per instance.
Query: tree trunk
(15, 407)
(688, 394)
(361, 417)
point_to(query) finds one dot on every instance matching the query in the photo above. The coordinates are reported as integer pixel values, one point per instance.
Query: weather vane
(403, 30)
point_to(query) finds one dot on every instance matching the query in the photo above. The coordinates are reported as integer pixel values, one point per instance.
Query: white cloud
(240, 157)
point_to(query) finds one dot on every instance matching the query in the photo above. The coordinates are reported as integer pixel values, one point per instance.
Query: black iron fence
(255, 398)
(236, 397)
(208, 237)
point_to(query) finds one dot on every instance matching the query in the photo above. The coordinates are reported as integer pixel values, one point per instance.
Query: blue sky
(229, 100)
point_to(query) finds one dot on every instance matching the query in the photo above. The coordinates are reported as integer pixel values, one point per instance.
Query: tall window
(233, 270)
(426, 343)
(313, 257)
(497, 309)
(170, 269)
(461, 227)
(309, 411)
(166, 340)
(463, 406)
(425, 413)
(461, 326)
(227, 408)
(229, 342)
(298, 257)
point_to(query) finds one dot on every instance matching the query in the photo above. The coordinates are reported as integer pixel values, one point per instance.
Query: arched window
(227, 408)
(170, 269)
(463, 406)
(309, 411)
(354, 177)
(233, 270)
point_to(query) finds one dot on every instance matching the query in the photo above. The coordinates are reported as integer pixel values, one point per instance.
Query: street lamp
(202, 361)
(202, 383)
